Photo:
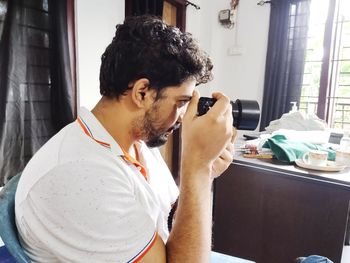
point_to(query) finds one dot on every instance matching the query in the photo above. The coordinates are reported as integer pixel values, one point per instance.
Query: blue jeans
(5, 256)
(316, 259)
(222, 258)
(216, 257)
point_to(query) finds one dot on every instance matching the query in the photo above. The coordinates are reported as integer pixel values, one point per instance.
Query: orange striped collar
(135, 162)
(91, 130)
(88, 132)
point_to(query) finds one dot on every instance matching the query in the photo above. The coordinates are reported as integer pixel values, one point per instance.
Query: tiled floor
(346, 255)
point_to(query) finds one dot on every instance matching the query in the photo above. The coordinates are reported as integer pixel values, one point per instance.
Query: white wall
(95, 23)
(200, 24)
(238, 76)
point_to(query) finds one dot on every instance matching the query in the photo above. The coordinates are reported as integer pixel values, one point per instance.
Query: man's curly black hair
(145, 47)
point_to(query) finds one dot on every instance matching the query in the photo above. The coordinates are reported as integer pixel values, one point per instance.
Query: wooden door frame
(180, 14)
(176, 152)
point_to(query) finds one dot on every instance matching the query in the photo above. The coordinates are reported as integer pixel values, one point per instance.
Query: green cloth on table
(288, 151)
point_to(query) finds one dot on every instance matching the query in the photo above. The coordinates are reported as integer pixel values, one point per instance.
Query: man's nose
(181, 115)
(179, 119)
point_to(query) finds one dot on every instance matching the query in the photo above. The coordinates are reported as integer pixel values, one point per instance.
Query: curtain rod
(262, 2)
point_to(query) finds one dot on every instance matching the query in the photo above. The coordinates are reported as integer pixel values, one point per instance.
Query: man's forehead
(177, 94)
(183, 90)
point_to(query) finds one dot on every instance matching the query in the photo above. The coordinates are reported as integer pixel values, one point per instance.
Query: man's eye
(182, 103)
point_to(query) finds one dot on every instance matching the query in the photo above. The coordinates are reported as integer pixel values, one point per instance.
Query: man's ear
(141, 92)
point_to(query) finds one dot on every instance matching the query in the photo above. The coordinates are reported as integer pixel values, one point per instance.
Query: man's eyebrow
(184, 97)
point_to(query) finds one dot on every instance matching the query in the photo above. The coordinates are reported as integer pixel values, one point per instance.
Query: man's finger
(234, 134)
(192, 106)
(222, 105)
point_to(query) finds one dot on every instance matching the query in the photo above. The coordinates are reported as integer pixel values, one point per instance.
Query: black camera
(245, 113)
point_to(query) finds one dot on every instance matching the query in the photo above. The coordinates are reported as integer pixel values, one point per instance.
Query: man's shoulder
(68, 145)
(74, 176)
(69, 155)
(82, 173)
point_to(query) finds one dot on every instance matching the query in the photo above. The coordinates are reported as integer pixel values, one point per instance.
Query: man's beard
(157, 141)
(155, 137)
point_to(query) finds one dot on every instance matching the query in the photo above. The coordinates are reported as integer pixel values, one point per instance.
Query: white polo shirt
(80, 199)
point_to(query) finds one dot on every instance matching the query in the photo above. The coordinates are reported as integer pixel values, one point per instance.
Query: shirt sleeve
(89, 213)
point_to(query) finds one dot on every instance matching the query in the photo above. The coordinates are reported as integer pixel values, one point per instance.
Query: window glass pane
(338, 91)
(342, 85)
(3, 10)
(345, 53)
(340, 68)
(344, 66)
(314, 55)
(344, 8)
(344, 78)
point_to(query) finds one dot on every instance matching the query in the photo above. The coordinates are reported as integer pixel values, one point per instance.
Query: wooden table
(272, 213)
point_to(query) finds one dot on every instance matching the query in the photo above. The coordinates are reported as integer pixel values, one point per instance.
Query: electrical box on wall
(226, 18)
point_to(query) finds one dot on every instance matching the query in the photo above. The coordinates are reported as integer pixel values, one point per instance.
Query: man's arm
(206, 152)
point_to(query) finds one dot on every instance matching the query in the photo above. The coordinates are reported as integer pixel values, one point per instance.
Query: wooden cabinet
(270, 213)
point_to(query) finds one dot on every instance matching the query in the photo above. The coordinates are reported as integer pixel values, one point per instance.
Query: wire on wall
(234, 4)
(192, 4)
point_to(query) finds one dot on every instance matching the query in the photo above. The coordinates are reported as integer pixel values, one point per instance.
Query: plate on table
(330, 167)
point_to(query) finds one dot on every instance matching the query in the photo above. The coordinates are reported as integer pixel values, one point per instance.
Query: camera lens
(245, 113)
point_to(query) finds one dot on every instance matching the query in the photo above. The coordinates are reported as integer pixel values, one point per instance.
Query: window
(326, 79)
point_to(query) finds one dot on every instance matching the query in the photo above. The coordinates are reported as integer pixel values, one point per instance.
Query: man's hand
(206, 152)
(225, 158)
(207, 139)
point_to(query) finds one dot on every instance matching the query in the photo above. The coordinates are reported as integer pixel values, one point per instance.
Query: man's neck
(116, 119)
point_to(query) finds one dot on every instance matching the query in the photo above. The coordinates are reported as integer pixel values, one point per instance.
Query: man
(96, 193)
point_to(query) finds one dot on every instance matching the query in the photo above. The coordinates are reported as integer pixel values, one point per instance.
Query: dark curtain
(62, 99)
(141, 7)
(286, 51)
(36, 94)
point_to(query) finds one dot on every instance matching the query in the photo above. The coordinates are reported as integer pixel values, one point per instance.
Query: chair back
(8, 229)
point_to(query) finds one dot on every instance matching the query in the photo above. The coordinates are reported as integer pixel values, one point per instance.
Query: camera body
(245, 113)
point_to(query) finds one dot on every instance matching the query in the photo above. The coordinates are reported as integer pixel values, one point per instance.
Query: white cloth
(297, 121)
(79, 200)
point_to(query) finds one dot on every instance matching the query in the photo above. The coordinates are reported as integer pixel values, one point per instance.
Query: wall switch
(235, 51)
